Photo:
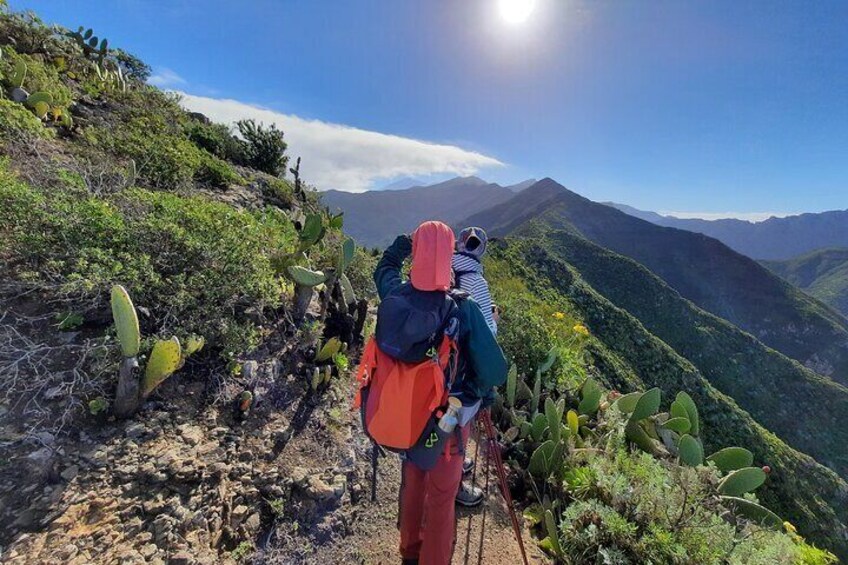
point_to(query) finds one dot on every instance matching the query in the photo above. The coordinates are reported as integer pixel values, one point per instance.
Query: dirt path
(369, 535)
(183, 483)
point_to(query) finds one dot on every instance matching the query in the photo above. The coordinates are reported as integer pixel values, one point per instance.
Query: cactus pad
(347, 289)
(647, 405)
(346, 253)
(754, 512)
(164, 360)
(741, 481)
(511, 382)
(679, 425)
(546, 459)
(305, 277)
(591, 393)
(194, 343)
(330, 348)
(627, 403)
(691, 452)
(691, 411)
(126, 321)
(537, 429)
(554, 418)
(573, 422)
(732, 458)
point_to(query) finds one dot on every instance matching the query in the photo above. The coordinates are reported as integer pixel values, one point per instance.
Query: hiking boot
(469, 496)
(467, 465)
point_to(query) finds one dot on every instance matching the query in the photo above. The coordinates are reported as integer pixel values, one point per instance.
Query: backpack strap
(366, 366)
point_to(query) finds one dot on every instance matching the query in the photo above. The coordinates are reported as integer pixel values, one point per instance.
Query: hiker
(432, 360)
(468, 276)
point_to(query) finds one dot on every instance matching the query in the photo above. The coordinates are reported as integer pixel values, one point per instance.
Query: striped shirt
(468, 276)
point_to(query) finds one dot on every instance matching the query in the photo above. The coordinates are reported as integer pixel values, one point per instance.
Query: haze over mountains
(771, 239)
(374, 218)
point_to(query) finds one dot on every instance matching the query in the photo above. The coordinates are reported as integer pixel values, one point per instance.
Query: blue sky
(673, 106)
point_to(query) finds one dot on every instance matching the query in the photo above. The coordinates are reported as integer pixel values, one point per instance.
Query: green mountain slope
(822, 274)
(700, 268)
(778, 392)
(627, 356)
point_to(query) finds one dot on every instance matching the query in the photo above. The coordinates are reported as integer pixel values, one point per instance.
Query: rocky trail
(183, 482)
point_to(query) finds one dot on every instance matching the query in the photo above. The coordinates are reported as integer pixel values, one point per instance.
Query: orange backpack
(399, 401)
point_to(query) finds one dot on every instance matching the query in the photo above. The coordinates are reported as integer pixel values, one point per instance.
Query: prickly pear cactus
(591, 393)
(306, 277)
(691, 411)
(511, 378)
(164, 360)
(627, 403)
(690, 450)
(330, 348)
(732, 458)
(348, 294)
(738, 482)
(647, 405)
(346, 253)
(194, 343)
(126, 321)
(754, 512)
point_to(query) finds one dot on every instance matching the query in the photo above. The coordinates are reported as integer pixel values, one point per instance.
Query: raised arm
(387, 274)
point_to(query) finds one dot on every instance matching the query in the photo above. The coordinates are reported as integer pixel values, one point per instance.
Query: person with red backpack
(431, 363)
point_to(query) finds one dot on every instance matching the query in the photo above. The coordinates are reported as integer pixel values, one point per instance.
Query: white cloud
(748, 216)
(344, 157)
(166, 78)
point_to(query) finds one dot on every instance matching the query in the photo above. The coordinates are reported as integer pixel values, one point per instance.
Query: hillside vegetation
(700, 268)
(142, 245)
(822, 274)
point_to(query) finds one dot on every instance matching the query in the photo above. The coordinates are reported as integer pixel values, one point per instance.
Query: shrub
(266, 149)
(218, 140)
(195, 264)
(217, 173)
(17, 122)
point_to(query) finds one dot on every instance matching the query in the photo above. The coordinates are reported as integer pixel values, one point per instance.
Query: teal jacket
(482, 362)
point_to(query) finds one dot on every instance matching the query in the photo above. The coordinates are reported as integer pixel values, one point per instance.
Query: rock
(251, 525)
(318, 489)
(70, 473)
(238, 515)
(149, 550)
(193, 435)
(181, 558)
(135, 430)
(339, 485)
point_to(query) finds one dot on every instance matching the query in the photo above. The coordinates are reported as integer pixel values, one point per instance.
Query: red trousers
(427, 518)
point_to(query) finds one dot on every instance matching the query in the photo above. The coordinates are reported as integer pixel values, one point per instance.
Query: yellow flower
(559, 315)
(789, 528)
(581, 329)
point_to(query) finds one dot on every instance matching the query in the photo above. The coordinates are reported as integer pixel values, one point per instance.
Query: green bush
(266, 149)
(217, 173)
(17, 122)
(195, 264)
(218, 140)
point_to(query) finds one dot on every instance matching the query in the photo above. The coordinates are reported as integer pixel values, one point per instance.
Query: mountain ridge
(775, 238)
(702, 269)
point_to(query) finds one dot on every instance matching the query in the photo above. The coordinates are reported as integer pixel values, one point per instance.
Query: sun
(516, 11)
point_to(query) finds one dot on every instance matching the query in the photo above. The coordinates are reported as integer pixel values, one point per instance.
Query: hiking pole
(499, 467)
